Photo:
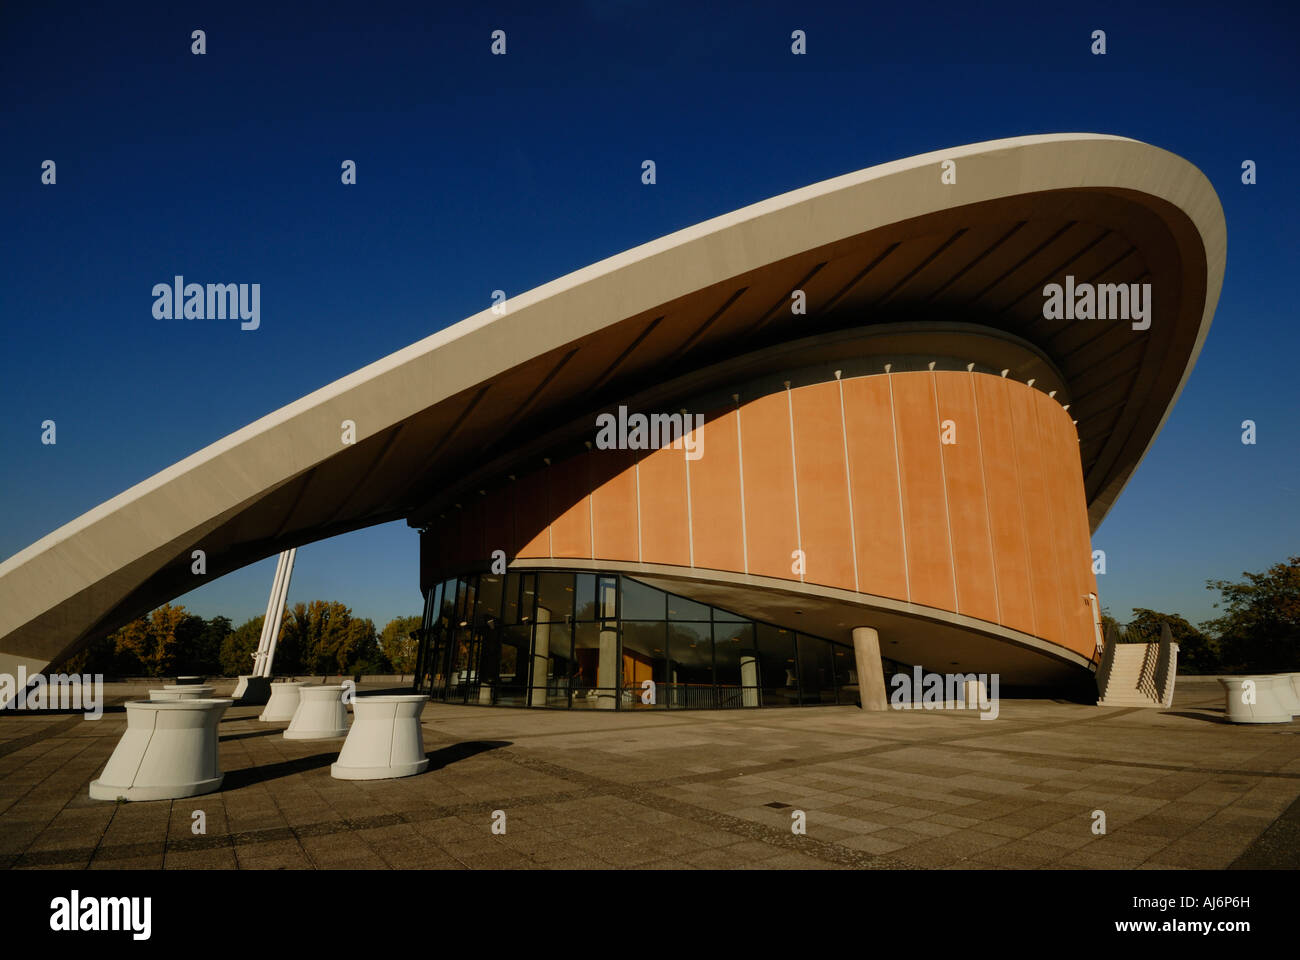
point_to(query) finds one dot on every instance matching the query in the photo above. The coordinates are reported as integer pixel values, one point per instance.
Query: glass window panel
(594, 668)
(555, 595)
(512, 669)
(735, 664)
(607, 598)
(690, 666)
(777, 666)
(816, 676)
(641, 602)
(527, 597)
(680, 608)
(585, 596)
(644, 656)
(846, 673)
(510, 612)
(552, 648)
(490, 587)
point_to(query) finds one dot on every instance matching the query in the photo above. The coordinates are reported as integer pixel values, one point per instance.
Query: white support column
(278, 615)
(871, 672)
(260, 657)
(541, 657)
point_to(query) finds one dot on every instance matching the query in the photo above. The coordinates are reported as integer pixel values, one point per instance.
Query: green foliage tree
(239, 645)
(398, 644)
(1259, 631)
(1197, 653)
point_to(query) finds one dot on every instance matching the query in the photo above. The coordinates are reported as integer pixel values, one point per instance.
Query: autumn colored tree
(398, 644)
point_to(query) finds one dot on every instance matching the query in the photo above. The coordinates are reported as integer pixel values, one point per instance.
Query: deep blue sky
(478, 172)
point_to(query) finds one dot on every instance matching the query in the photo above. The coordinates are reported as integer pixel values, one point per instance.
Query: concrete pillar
(871, 672)
(607, 671)
(749, 679)
(541, 657)
(273, 637)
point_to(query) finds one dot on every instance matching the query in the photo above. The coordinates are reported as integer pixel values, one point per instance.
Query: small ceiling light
(970, 367)
(838, 373)
(1066, 407)
(1005, 372)
(931, 364)
(1051, 393)
(1030, 383)
(887, 366)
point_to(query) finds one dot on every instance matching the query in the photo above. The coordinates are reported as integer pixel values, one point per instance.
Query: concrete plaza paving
(1180, 788)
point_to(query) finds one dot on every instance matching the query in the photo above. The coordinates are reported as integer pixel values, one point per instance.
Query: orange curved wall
(854, 474)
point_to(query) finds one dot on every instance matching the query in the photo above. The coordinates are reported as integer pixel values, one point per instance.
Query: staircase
(1137, 674)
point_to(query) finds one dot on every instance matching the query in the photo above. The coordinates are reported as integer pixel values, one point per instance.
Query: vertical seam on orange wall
(943, 477)
(984, 484)
(740, 463)
(1024, 523)
(690, 519)
(848, 482)
(591, 508)
(1054, 529)
(794, 470)
(636, 470)
(550, 518)
(898, 481)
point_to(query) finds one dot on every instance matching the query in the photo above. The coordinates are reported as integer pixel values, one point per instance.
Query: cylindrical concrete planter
(1268, 706)
(191, 691)
(320, 714)
(252, 691)
(385, 740)
(1284, 688)
(181, 693)
(283, 702)
(169, 751)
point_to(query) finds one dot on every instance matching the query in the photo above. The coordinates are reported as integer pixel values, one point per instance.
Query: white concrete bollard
(283, 702)
(181, 693)
(190, 691)
(169, 751)
(1284, 688)
(320, 714)
(252, 691)
(385, 741)
(1267, 708)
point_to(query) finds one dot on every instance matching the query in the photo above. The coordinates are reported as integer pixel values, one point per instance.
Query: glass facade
(591, 641)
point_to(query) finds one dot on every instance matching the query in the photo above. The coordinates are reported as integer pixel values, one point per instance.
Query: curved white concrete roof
(285, 479)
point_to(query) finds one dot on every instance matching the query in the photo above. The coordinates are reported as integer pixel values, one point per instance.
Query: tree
(238, 647)
(398, 644)
(1259, 631)
(1197, 653)
(132, 647)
